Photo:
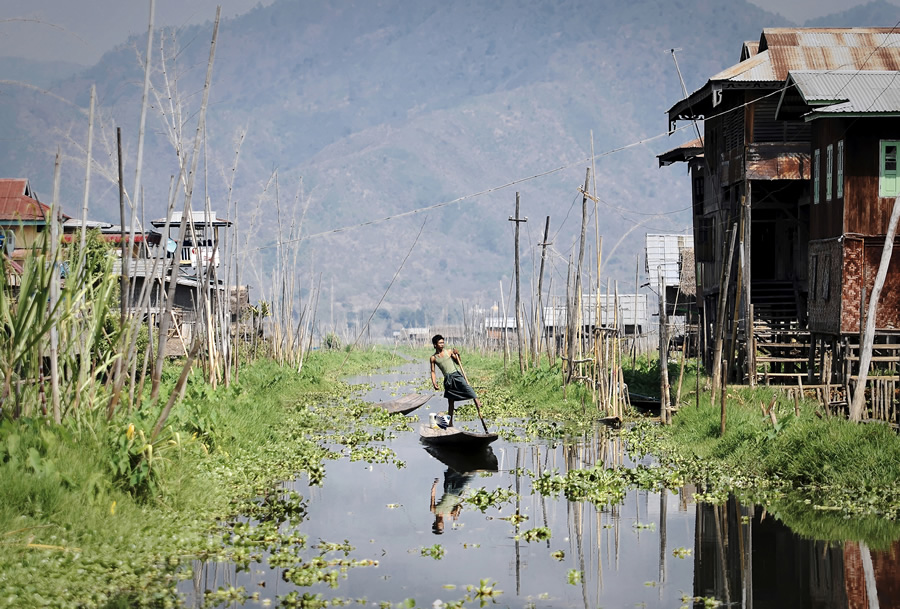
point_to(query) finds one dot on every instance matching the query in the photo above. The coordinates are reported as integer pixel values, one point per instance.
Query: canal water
(398, 544)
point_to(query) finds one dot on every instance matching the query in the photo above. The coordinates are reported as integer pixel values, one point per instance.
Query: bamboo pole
(720, 313)
(663, 349)
(865, 356)
(87, 178)
(54, 295)
(164, 324)
(518, 221)
(574, 332)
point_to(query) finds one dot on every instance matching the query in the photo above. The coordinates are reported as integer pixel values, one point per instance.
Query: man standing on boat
(456, 388)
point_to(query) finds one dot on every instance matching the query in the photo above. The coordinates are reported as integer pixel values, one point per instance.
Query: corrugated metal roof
(786, 49)
(16, 206)
(686, 151)
(781, 50)
(664, 251)
(195, 216)
(750, 48)
(848, 91)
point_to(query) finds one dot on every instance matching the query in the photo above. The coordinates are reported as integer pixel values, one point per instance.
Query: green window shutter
(840, 169)
(816, 178)
(888, 178)
(829, 163)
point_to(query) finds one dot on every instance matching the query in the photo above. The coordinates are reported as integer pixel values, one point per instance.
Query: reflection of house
(754, 174)
(23, 218)
(744, 558)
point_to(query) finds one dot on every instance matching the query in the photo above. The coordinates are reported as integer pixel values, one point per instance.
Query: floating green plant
(483, 498)
(436, 551)
(536, 534)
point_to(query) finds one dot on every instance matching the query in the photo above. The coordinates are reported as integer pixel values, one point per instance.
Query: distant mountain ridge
(877, 13)
(387, 108)
(38, 73)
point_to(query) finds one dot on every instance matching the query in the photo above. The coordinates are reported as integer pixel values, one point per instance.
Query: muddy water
(652, 550)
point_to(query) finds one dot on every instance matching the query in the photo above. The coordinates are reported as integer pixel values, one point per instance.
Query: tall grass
(75, 532)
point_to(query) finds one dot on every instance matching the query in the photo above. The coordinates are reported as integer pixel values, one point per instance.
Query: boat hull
(454, 437)
(405, 404)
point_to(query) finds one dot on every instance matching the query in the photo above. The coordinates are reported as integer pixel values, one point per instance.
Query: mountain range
(393, 136)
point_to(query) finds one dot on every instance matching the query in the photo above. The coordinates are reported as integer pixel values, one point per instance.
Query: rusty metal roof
(16, 205)
(847, 91)
(782, 50)
(680, 154)
(750, 48)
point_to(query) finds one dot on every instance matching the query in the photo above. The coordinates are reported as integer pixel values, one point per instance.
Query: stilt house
(753, 190)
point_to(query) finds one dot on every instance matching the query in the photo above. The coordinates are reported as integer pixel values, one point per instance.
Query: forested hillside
(367, 110)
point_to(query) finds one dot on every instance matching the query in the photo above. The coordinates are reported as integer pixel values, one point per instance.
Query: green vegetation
(823, 476)
(94, 515)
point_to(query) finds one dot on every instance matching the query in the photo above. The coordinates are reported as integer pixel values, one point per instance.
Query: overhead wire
(542, 174)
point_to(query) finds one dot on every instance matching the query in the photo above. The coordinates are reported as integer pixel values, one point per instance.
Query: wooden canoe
(452, 436)
(405, 404)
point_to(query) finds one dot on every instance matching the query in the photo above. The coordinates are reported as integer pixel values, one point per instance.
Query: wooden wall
(860, 210)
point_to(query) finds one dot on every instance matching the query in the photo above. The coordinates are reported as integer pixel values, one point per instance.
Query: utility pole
(518, 221)
(539, 322)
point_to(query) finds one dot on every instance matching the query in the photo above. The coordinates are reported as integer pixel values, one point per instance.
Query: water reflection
(747, 557)
(651, 549)
(462, 467)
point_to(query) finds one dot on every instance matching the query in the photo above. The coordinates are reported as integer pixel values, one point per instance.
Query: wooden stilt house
(751, 184)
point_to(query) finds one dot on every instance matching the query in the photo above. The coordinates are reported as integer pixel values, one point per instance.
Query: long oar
(477, 407)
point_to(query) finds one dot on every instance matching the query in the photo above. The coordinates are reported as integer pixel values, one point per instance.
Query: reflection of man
(451, 501)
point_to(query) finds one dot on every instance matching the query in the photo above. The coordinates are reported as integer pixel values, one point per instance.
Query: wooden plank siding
(860, 210)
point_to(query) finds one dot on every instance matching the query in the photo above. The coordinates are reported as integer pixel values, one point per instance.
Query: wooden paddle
(477, 407)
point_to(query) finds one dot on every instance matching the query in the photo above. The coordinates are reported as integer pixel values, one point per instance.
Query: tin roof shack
(23, 218)
(855, 120)
(670, 259)
(754, 176)
(195, 270)
(629, 320)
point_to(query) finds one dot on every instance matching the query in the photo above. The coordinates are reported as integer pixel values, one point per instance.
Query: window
(829, 163)
(705, 239)
(840, 169)
(888, 182)
(699, 195)
(816, 177)
(826, 277)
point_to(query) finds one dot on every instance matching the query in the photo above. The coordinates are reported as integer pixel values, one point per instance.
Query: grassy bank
(90, 516)
(823, 476)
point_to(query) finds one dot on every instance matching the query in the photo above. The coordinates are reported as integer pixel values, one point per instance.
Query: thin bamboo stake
(720, 313)
(87, 178)
(865, 357)
(54, 294)
(576, 312)
(163, 331)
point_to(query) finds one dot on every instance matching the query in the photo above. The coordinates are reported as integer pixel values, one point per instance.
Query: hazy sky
(82, 30)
